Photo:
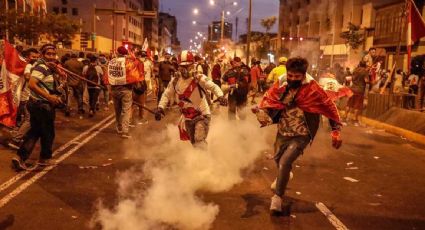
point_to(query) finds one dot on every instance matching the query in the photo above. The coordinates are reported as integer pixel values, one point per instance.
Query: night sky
(183, 10)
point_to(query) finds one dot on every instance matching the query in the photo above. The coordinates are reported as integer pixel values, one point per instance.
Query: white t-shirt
(25, 94)
(148, 68)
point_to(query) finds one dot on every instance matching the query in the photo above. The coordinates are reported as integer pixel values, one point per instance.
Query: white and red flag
(415, 27)
(146, 48)
(11, 82)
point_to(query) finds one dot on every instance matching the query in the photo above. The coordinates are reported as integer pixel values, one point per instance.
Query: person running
(237, 81)
(295, 103)
(189, 88)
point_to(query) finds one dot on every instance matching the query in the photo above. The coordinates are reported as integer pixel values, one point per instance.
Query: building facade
(104, 32)
(214, 31)
(320, 22)
(168, 40)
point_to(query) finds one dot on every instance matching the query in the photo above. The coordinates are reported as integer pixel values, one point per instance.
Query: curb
(415, 137)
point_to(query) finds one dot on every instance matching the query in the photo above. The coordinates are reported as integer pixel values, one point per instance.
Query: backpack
(92, 75)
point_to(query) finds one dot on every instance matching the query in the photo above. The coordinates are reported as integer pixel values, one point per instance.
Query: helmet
(283, 59)
(186, 58)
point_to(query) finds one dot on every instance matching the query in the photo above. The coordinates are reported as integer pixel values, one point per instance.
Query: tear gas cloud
(177, 172)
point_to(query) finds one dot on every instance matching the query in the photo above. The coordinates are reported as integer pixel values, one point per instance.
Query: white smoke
(164, 192)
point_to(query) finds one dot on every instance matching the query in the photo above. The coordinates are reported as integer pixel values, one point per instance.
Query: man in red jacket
(295, 103)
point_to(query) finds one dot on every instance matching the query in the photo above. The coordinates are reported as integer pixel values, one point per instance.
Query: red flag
(415, 27)
(10, 84)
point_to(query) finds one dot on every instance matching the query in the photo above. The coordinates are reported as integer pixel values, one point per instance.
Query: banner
(11, 83)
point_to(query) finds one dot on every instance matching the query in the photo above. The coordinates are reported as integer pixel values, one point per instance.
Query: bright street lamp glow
(212, 2)
(228, 12)
(191, 40)
(235, 3)
(196, 11)
(196, 37)
(194, 22)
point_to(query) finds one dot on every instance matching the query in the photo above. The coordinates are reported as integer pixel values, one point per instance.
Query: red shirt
(255, 75)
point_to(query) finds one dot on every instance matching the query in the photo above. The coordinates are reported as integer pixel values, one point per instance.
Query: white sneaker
(276, 204)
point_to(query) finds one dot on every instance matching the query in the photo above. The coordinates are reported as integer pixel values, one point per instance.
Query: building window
(56, 10)
(75, 11)
(64, 10)
(64, 2)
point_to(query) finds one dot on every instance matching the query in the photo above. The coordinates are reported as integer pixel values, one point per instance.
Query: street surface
(375, 181)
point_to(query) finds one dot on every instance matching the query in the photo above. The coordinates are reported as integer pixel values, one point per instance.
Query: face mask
(294, 84)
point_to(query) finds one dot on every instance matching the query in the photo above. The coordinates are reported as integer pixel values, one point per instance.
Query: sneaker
(14, 143)
(91, 113)
(131, 125)
(18, 165)
(46, 162)
(276, 205)
(119, 131)
(142, 121)
(125, 135)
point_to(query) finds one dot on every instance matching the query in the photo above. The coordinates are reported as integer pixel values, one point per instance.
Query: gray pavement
(388, 193)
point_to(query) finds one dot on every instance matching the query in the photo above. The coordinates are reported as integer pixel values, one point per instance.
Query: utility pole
(248, 40)
(236, 29)
(7, 19)
(93, 35)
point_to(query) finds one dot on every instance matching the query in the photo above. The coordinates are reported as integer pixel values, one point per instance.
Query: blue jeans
(287, 150)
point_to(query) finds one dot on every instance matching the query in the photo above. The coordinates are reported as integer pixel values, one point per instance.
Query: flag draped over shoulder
(310, 98)
(11, 82)
(415, 27)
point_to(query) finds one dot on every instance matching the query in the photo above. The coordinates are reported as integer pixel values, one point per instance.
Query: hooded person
(295, 103)
(189, 88)
(236, 82)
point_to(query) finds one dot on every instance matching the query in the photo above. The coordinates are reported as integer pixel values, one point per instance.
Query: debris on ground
(74, 217)
(298, 193)
(351, 179)
(265, 168)
(107, 164)
(88, 167)
(350, 163)
(293, 216)
(375, 204)
(352, 168)
(297, 166)
(376, 157)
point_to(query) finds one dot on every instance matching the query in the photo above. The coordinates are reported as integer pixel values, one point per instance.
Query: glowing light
(191, 40)
(196, 37)
(196, 11)
(301, 38)
(290, 38)
(228, 12)
(194, 22)
(212, 2)
(235, 3)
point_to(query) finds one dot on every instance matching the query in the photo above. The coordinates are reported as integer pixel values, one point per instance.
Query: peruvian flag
(333, 88)
(11, 83)
(146, 48)
(415, 27)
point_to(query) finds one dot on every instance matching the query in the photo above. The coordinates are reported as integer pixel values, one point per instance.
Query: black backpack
(92, 75)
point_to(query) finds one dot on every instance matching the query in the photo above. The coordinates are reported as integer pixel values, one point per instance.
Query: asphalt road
(375, 181)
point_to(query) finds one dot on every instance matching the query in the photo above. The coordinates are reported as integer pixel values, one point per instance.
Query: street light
(228, 12)
(194, 22)
(196, 11)
(212, 2)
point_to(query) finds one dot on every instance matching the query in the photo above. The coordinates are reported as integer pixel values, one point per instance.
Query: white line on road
(40, 174)
(75, 140)
(331, 217)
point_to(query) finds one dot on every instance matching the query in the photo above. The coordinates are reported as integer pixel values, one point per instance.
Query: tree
(353, 37)
(267, 23)
(60, 28)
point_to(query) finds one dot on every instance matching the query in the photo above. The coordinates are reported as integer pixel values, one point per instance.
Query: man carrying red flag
(295, 103)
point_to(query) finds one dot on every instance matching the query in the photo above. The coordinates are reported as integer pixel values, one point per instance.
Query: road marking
(75, 140)
(331, 217)
(45, 170)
